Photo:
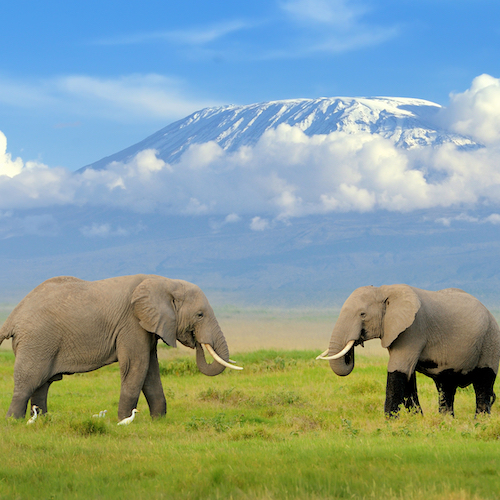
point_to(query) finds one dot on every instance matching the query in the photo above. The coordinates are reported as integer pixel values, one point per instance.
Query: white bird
(34, 408)
(128, 420)
(101, 414)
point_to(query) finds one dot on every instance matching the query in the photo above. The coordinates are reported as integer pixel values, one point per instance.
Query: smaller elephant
(67, 325)
(447, 335)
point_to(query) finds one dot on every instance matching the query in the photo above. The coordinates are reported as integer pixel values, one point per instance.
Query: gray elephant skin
(67, 325)
(447, 335)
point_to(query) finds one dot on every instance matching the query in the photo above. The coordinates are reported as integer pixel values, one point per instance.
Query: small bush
(90, 426)
(179, 367)
(223, 396)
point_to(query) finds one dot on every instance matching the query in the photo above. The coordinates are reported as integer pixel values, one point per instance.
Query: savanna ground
(284, 428)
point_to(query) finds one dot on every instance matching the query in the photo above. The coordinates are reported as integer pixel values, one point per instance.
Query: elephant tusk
(323, 354)
(219, 359)
(343, 352)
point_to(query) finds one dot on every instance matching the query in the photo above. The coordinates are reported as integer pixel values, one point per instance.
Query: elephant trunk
(220, 347)
(344, 365)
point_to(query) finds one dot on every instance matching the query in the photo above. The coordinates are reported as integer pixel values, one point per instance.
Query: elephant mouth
(362, 338)
(349, 357)
(187, 338)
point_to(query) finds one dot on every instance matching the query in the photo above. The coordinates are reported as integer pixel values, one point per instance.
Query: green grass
(284, 428)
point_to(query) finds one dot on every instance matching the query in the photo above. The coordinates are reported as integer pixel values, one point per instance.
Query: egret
(101, 414)
(128, 420)
(34, 408)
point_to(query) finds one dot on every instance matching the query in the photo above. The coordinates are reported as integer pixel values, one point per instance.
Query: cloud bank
(286, 174)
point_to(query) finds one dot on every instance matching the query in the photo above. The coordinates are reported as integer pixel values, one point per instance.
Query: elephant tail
(6, 331)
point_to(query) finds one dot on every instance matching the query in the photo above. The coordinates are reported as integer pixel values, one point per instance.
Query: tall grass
(284, 428)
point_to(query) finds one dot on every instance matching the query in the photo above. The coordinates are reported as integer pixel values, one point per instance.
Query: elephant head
(178, 310)
(370, 312)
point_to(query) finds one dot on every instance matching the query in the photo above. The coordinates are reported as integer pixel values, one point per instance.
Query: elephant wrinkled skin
(67, 325)
(447, 335)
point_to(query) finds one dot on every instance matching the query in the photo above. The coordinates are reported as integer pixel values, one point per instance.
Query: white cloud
(339, 13)
(131, 97)
(192, 36)
(476, 112)
(103, 230)
(232, 218)
(493, 219)
(8, 166)
(490, 219)
(32, 184)
(259, 224)
(150, 95)
(333, 26)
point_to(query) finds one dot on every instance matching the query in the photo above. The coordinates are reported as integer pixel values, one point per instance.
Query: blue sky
(82, 80)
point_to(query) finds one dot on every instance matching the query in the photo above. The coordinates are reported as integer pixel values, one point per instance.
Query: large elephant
(67, 325)
(447, 335)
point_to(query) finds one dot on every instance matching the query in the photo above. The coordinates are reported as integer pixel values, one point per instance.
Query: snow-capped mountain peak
(407, 122)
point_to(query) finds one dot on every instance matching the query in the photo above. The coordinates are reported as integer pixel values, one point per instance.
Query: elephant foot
(17, 408)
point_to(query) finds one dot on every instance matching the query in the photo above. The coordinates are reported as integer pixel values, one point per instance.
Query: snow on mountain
(409, 123)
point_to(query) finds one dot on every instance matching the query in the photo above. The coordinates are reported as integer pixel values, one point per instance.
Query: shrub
(90, 426)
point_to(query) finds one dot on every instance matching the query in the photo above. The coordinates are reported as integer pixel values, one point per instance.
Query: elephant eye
(200, 315)
(362, 314)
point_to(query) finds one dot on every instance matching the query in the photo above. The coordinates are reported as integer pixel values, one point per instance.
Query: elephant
(67, 325)
(448, 335)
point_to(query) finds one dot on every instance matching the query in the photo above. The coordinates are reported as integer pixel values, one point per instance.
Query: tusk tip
(322, 355)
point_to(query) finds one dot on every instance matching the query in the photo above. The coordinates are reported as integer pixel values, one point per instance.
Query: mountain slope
(407, 122)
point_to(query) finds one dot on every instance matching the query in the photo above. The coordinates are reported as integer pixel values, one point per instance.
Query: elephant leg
(401, 390)
(132, 381)
(18, 405)
(39, 397)
(447, 387)
(411, 396)
(26, 382)
(134, 362)
(483, 380)
(153, 389)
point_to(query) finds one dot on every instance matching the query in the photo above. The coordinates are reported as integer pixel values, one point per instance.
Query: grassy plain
(284, 428)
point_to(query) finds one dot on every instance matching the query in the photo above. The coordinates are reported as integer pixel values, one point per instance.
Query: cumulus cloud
(259, 224)
(286, 174)
(8, 166)
(476, 112)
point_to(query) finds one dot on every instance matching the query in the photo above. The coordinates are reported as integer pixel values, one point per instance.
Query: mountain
(407, 122)
(315, 258)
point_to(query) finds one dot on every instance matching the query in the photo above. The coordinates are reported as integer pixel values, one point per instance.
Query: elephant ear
(153, 302)
(402, 305)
